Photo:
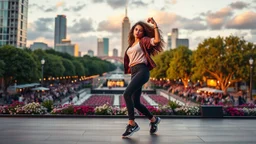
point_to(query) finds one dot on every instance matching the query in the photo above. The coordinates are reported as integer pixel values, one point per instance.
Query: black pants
(132, 94)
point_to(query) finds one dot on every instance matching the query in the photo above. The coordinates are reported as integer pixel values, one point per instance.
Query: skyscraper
(125, 33)
(169, 41)
(103, 46)
(115, 52)
(13, 22)
(175, 34)
(173, 41)
(60, 29)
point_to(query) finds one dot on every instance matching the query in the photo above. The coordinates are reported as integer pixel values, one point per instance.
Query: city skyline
(195, 19)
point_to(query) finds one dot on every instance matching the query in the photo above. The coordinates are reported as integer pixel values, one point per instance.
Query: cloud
(60, 4)
(241, 33)
(138, 3)
(167, 21)
(216, 20)
(112, 24)
(42, 27)
(50, 9)
(253, 32)
(239, 5)
(42, 8)
(97, 1)
(173, 2)
(117, 3)
(244, 20)
(167, 4)
(76, 8)
(42, 24)
(36, 6)
(83, 25)
(253, 36)
(193, 24)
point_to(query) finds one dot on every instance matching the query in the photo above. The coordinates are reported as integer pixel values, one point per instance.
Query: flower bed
(21, 108)
(171, 109)
(243, 110)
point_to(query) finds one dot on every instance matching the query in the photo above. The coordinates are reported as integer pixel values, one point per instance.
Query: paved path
(109, 130)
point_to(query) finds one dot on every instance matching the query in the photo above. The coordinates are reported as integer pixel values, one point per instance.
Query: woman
(144, 41)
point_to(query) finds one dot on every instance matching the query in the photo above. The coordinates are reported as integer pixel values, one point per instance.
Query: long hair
(148, 31)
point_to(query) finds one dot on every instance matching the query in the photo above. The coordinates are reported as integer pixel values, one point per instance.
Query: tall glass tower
(13, 22)
(125, 33)
(60, 29)
(103, 46)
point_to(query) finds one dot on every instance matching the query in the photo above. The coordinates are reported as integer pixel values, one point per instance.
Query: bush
(184, 110)
(48, 104)
(104, 110)
(34, 108)
(231, 111)
(68, 110)
(15, 107)
(120, 111)
(173, 105)
(83, 110)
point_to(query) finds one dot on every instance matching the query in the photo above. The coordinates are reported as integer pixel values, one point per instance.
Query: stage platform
(118, 90)
(109, 130)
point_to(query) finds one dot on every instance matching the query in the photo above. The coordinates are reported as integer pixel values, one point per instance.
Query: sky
(91, 19)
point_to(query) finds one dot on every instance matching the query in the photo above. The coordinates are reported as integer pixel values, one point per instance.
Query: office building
(182, 42)
(115, 52)
(13, 22)
(103, 46)
(67, 47)
(39, 45)
(90, 53)
(60, 31)
(173, 40)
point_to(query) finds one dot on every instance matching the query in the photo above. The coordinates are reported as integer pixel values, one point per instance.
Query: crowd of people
(191, 93)
(56, 93)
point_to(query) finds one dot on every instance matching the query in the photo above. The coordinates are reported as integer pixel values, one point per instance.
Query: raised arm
(157, 35)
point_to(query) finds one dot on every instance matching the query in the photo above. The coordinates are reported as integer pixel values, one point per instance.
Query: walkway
(175, 98)
(65, 100)
(109, 130)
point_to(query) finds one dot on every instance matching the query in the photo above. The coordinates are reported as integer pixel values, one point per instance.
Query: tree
(53, 66)
(225, 59)
(69, 67)
(162, 62)
(79, 68)
(61, 54)
(2, 64)
(180, 65)
(19, 65)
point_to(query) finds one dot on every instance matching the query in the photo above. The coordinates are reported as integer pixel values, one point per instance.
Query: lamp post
(251, 66)
(42, 62)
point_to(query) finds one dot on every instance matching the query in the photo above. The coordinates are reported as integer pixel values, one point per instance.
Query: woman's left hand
(151, 20)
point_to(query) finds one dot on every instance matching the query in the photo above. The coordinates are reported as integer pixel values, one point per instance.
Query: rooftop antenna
(126, 11)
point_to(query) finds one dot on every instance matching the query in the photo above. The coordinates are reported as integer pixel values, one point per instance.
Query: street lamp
(42, 62)
(251, 66)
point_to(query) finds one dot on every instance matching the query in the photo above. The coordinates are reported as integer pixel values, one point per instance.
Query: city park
(214, 81)
(219, 72)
